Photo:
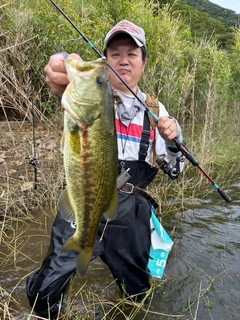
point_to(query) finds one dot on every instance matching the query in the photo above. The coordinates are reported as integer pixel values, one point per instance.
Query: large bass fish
(89, 145)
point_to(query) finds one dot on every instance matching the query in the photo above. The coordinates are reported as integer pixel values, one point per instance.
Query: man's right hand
(56, 75)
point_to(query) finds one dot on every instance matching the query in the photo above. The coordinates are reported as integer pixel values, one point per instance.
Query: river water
(201, 279)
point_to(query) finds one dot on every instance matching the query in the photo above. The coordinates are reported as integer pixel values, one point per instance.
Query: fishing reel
(167, 166)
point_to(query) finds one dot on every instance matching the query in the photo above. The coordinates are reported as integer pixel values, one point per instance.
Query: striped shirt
(129, 137)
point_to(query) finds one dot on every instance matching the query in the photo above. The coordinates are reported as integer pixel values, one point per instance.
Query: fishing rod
(181, 147)
(33, 160)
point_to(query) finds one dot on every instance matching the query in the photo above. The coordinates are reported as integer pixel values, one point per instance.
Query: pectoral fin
(65, 207)
(112, 210)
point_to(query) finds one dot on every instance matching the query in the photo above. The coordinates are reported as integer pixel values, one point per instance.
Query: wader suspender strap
(144, 144)
(153, 105)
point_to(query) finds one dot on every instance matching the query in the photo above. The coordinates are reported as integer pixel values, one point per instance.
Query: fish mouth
(87, 73)
(90, 67)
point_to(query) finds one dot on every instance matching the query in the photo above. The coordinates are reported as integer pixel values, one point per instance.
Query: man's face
(126, 58)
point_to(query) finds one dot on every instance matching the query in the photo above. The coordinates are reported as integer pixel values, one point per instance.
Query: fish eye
(100, 80)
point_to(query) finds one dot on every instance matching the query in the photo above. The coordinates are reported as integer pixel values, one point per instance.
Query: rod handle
(224, 195)
(181, 147)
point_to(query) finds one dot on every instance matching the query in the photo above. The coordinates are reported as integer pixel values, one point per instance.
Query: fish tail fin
(84, 260)
(84, 256)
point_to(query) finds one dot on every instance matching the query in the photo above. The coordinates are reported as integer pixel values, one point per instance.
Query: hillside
(229, 17)
(206, 19)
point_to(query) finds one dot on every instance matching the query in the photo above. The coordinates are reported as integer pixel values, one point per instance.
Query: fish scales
(89, 145)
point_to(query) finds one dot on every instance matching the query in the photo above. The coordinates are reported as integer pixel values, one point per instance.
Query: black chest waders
(123, 245)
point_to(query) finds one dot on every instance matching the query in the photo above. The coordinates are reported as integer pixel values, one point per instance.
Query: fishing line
(181, 147)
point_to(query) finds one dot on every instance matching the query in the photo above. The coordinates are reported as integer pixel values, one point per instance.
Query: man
(125, 240)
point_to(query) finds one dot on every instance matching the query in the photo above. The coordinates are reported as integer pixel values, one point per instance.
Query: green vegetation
(193, 67)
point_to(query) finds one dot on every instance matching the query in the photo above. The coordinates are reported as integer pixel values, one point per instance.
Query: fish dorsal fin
(65, 207)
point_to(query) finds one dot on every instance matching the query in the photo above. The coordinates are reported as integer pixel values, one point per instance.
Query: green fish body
(89, 145)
